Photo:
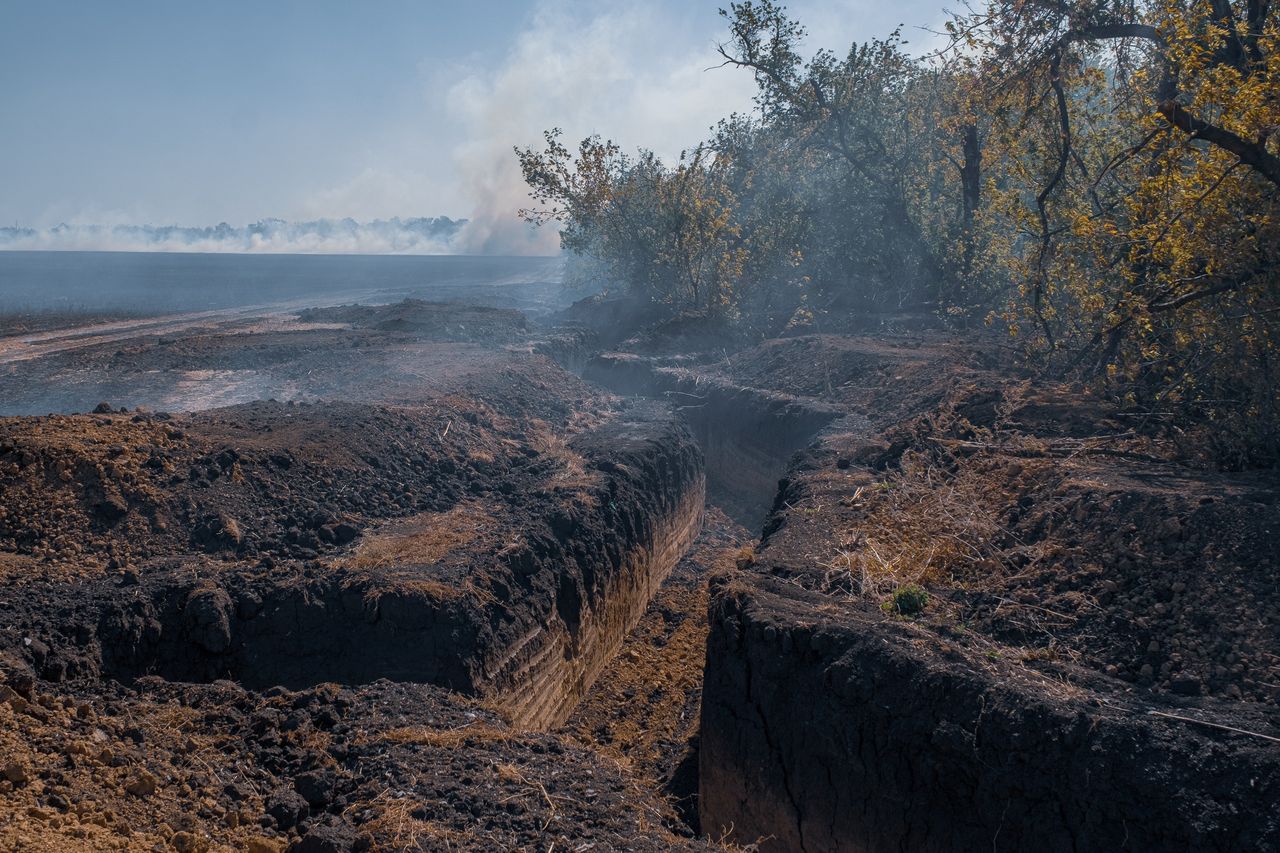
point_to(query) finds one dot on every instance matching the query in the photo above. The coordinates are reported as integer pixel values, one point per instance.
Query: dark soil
(1036, 515)
(1095, 666)
(644, 709)
(424, 528)
(433, 320)
(1092, 660)
(403, 353)
(269, 479)
(384, 767)
(27, 322)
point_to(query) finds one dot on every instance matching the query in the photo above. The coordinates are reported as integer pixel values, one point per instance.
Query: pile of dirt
(476, 519)
(262, 480)
(1042, 521)
(217, 768)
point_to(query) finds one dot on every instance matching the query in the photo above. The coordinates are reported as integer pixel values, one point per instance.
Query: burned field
(443, 593)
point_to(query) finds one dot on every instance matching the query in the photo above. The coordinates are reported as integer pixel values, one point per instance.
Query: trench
(747, 435)
(748, 438)
(567, 603)
(536, 663)
(822, 733)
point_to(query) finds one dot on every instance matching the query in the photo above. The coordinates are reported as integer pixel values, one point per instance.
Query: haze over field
(154, 115)
(422, 236)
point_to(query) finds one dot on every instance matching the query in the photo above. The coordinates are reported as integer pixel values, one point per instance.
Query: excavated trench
(532, 629)
(827, 729)
(821, 730)
(747, 435)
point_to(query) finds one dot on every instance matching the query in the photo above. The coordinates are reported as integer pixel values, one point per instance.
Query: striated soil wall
(746, 434)
(830, 729)
(528, 626)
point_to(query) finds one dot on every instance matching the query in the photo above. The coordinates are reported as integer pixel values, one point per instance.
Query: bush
(908, 600)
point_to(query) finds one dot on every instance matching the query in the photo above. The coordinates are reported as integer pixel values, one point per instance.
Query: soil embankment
(468, 516)
(991, 611)
(985, 611)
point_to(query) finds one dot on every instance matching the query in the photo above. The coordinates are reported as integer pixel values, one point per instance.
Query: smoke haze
(625, 72)
(270, 236)
(369, 111)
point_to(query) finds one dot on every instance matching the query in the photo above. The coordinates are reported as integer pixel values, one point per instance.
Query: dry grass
(922, 524)
(394, 826)
(392, 560)
(422, 539)
(443, 738)
(570, 474)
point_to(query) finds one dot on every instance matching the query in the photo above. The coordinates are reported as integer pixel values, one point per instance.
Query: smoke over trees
(1098, 180)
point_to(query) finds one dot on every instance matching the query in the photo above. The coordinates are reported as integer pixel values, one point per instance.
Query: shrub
(908, 600)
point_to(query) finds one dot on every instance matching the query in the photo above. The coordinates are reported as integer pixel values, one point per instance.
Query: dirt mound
(971, 582)
(257, 481)
(384, 767)
(518, 587)
(1052, 528)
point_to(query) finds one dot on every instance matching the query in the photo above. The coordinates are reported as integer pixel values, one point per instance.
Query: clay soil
(643, 711)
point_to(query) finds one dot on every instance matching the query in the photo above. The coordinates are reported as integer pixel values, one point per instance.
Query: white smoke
(635, 73)
(269, 236)
(624, 71)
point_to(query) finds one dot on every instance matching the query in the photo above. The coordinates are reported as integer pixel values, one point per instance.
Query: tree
(1148, 136)
(668, 234)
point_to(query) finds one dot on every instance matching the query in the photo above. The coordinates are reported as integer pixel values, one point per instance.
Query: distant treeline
(405, 235)
(1097, 179)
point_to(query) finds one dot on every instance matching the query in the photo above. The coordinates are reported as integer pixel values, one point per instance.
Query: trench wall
(826, 735)
(554, 607)
(747, 435)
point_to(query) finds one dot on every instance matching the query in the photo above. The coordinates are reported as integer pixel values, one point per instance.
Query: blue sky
(194, 113)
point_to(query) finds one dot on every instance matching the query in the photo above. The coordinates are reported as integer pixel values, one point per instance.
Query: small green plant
(907, 600)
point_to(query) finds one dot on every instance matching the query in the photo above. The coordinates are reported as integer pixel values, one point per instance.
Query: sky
(194, 113)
